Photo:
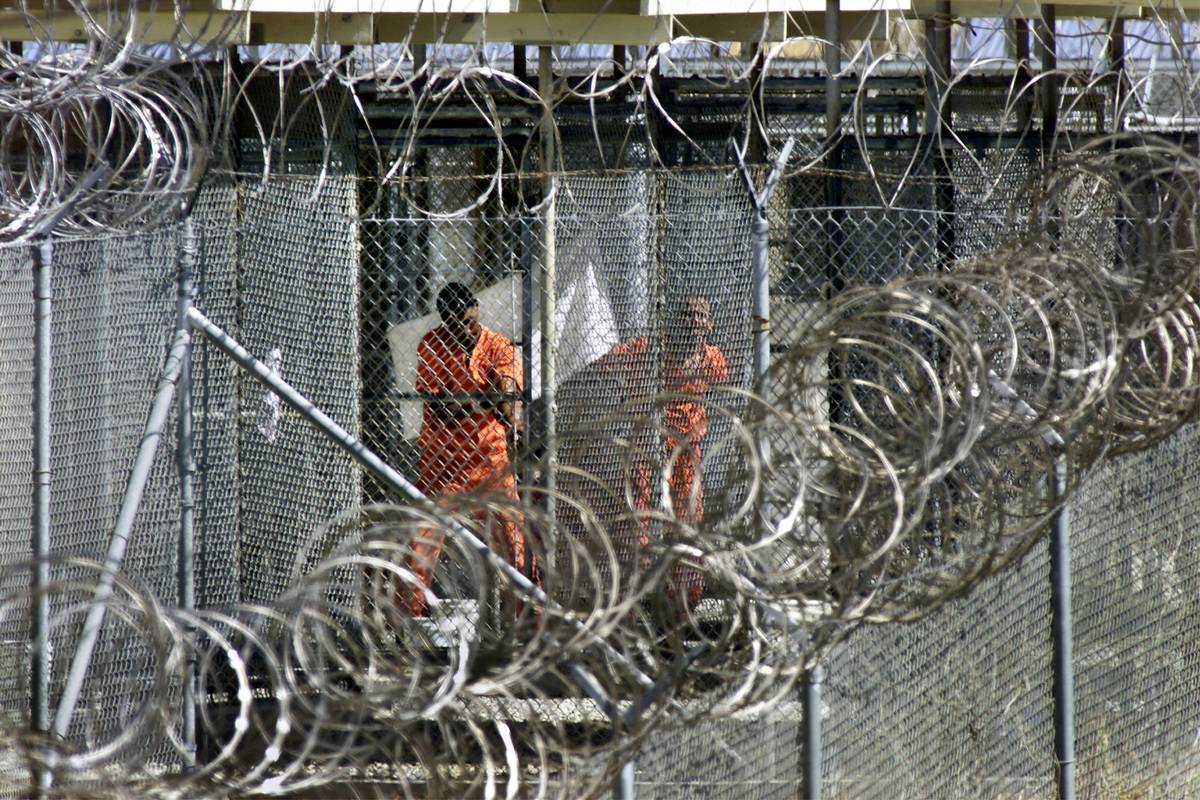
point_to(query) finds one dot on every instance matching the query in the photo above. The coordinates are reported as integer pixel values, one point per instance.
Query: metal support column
(39, 632)
(760, 263)
(1060, 532)
(760, 283)
(1048, 55)
(547, 286)
(1020, 34)
(623, 787)
(1020, 42)
(528, 264)
(835, 214)
(1048, 97)
(1126, 232)
(756, 145)
(937, 68)
(938, 120)
(760, 316)
(812, 732)
(1064, 669)
(1116, 64)
(520, 62)
(833, 156)
(833, 65)
(185, 463)
(761, 319)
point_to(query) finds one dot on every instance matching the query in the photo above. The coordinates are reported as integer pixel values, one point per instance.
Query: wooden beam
(292, 21)
(854, 25)
(717, 7)
(367, 6)
(273, 28)
(152, 26)
(1027, 9)
(576, 6)
(537, 29)
(732, 27)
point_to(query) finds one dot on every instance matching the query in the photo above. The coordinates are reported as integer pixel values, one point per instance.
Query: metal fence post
(549, 335)
(1064, 669)
(761, 291)
(835, 213)
(760, 263)
(623, 788)
(761, 278)
(812, 732)
(1020, 51)
(39, 668)
(1115, 51)
(1047, 39)
(938, 112)
(937, 70)
(186, 465)
(815, 676)
(525, 242)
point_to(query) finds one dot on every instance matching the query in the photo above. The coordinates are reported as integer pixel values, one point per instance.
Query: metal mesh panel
(215, 408)
(616, 138)
(992, 198)
(16, 463)
(633, 252)
(884, 227)
(631, 249)
(738, 759)
(113, 316)
(297, 252)
(980, 109)
(806, 129)
(957, 705)
(114, 311)
(1136, 584)
(1088, 220)
(707, 253)
(408, 257)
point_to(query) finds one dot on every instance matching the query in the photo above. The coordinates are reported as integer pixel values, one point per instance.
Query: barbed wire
(888, 461)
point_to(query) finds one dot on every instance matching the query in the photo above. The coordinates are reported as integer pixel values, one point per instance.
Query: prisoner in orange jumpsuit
(690, 366)
(464, 433)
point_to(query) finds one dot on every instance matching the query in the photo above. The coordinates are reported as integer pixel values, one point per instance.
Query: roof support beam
(537, 29)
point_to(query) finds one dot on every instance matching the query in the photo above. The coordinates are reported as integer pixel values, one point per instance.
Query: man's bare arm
(448, 410)
(509, 410)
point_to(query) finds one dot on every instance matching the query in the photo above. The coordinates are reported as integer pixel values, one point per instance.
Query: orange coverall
(465, 454)
(686, 423)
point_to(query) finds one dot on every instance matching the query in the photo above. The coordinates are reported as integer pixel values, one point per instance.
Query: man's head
(694, 318)
(459, 309)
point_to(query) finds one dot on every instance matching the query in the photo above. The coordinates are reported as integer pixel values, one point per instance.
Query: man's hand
(453, 410)
(509, 411)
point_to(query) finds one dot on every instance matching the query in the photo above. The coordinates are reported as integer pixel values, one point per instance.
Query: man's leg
(687, 498)
(506, 525)
(424, 551)
(633, 550)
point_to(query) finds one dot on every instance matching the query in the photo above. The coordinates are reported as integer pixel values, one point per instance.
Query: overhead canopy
(619, 22)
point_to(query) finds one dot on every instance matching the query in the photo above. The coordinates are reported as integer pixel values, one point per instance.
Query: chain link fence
(332, 278)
